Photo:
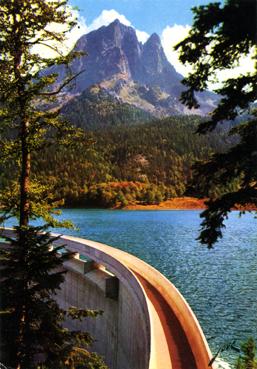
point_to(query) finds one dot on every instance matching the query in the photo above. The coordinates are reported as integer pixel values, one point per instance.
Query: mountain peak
(114, 50)
(154, 39)
(115, 22)
(136, 73)
(118, 24)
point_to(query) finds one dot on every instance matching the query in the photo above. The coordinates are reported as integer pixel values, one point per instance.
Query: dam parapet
(146, 323)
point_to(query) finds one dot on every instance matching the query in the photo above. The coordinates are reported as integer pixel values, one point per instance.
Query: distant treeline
(116, 166)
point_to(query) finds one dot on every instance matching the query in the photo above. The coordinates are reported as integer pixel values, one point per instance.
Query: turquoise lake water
(219, 284)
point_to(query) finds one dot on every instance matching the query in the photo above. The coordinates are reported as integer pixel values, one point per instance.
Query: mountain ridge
(134, 73)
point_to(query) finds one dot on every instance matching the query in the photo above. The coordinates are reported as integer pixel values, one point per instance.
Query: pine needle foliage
(247, 360)
(221, 35)
(31, 320)
(29, 97)
(31, 269)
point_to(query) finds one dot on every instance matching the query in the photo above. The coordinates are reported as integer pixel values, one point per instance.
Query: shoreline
(178, 203)
(184, 203)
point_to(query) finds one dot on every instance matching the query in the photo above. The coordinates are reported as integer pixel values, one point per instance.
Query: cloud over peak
(108, 16)
(170, 36)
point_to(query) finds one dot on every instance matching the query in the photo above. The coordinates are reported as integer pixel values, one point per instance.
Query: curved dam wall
(146, 322)
(122, 332)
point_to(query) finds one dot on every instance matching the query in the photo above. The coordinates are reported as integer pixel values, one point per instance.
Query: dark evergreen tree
(220, 36)
(159, 153)
(247, 360)
(30, 121)
(30, 278)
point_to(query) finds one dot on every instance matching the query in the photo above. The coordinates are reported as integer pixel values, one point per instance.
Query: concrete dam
(146, 323)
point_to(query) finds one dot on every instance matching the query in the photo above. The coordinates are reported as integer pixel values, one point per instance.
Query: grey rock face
(115, 50)
(116, 61)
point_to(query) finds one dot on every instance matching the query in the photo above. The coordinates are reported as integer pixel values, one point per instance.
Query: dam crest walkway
(155, 328)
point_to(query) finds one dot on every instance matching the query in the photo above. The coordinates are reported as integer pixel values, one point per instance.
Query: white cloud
(108, 16)
(245, 64)
(78, 31)
(71, 37)
(171, 35)
(142, 36)
(104, 19)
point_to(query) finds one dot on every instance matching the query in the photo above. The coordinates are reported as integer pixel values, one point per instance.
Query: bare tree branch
(56, 92)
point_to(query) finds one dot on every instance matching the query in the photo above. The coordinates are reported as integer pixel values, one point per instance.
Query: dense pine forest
(95, 107)
(125, 164)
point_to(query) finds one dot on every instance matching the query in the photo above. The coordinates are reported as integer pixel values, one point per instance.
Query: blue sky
(147, 15)
(171, 19)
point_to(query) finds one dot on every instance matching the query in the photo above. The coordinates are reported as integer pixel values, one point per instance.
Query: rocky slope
(131, 72)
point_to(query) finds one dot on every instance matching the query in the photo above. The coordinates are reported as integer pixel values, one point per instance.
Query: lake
(219, 284)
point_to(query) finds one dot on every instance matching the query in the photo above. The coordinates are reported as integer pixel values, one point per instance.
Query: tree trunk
(25, 176)
(23, 222)
(24, 202)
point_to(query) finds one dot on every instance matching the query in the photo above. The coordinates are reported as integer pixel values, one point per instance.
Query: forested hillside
(125, 156)
(96, 108)
(144, 163)
(115, 166)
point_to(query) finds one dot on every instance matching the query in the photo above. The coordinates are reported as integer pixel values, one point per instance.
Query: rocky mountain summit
(115, 52)
(130, 72)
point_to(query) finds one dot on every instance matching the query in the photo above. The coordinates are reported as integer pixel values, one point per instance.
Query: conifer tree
(247, 360)
(31, 321)
(220, 36)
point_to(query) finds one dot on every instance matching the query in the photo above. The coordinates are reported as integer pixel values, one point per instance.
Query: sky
(171, 19)
(146, 15)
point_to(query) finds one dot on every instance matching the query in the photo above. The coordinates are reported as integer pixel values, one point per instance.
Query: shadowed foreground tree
(31, 271)
(30, 278)
(247, 359)
(220, 36)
